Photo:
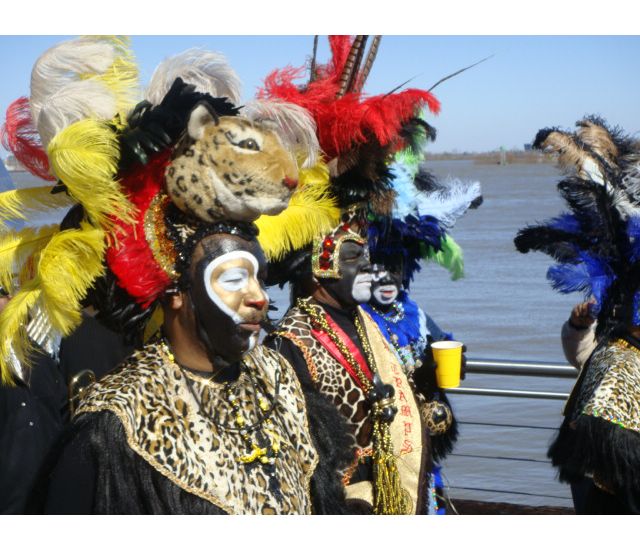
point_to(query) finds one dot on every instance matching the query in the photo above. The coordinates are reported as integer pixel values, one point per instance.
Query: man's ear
(200, 116)
(174, 300)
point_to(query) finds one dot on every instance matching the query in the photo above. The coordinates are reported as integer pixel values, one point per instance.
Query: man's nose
(257, 303)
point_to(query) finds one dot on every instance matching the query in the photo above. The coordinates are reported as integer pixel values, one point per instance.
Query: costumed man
(597, 247)
(424, 212)
(410, 331)
(200, 419)
(333, 344)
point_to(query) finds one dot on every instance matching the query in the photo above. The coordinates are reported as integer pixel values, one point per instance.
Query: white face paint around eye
(361, 290)
(234, 279)
(386, 294)
(232, 282)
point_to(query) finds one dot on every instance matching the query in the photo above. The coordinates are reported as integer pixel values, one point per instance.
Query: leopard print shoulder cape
(332, 379)
(610, 386)
(190, 443)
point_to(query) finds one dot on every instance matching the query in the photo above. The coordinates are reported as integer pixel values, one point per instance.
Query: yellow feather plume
(67, 267)
(17, 248)
(13, 323)
(85, 157)
(312, 211)
(66, 270)
(18, 204)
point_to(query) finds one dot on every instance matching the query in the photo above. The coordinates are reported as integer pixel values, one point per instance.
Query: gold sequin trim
(155, 233)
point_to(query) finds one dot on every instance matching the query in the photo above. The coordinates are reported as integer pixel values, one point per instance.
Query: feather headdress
(424, 212)
(357, 133)
(114, 250)
(358, 136)
(596, 243)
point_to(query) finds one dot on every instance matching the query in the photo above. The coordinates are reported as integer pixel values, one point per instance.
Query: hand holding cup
(448, 358)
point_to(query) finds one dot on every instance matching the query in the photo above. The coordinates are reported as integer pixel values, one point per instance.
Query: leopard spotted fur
(610, 388)
(175, 432)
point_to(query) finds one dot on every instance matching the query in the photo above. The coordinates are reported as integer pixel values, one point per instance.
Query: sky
(531, 81)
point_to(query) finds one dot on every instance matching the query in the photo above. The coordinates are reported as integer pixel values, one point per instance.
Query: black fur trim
(95, 448)
(330, 435)
(600, 447)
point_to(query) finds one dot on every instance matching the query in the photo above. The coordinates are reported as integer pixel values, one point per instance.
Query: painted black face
(354, 285)
(385, 287)
(226, 293)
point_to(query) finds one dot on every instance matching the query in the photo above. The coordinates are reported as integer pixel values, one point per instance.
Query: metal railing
(512, 368)
(516, 368)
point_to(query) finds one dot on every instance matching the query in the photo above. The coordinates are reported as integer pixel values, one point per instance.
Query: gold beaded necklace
(262, 441)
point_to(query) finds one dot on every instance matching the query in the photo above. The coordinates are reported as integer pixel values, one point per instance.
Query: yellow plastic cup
(448, 358)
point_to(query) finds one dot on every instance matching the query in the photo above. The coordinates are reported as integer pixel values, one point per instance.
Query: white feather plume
(66, 63)
(447, 203)
(293, 124)
(74, 102)
(208, 71)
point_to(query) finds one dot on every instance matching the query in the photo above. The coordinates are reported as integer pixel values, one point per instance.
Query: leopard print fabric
(331, 378)
(610, 388)
(237, 170)
(190, 444)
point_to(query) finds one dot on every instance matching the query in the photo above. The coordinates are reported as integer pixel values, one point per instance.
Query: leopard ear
(201, 115)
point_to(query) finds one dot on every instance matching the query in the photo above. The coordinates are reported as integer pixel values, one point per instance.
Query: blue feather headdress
(424, 212)
(596, 245)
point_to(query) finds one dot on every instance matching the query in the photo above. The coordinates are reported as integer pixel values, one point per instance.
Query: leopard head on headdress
(228, 167)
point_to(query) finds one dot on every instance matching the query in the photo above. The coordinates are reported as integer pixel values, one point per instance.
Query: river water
(504, 309)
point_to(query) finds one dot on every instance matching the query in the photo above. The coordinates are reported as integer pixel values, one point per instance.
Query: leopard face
(230, 168)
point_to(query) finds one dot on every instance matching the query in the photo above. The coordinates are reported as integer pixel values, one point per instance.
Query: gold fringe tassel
(389, 497)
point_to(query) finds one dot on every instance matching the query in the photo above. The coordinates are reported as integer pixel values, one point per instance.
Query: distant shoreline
(496, 157)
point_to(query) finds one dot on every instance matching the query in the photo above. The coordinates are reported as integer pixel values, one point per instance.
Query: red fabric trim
(328, 344)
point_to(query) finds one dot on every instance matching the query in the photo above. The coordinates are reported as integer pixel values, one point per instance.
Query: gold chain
(317, 318)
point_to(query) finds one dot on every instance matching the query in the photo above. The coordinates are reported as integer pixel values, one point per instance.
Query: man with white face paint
(410, 331)
(336, 347)
(250, 443)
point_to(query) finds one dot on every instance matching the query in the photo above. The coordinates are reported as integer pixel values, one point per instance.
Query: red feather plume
(131, 258)
(346, 122)
(20, 136)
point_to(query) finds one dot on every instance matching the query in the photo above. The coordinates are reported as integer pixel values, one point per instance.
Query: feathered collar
(400, 325)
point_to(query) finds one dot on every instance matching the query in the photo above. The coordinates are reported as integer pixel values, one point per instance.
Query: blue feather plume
(565, 222)
(592, 276)
(633, 232)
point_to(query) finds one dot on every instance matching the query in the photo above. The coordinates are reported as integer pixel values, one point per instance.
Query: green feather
(450, 257)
